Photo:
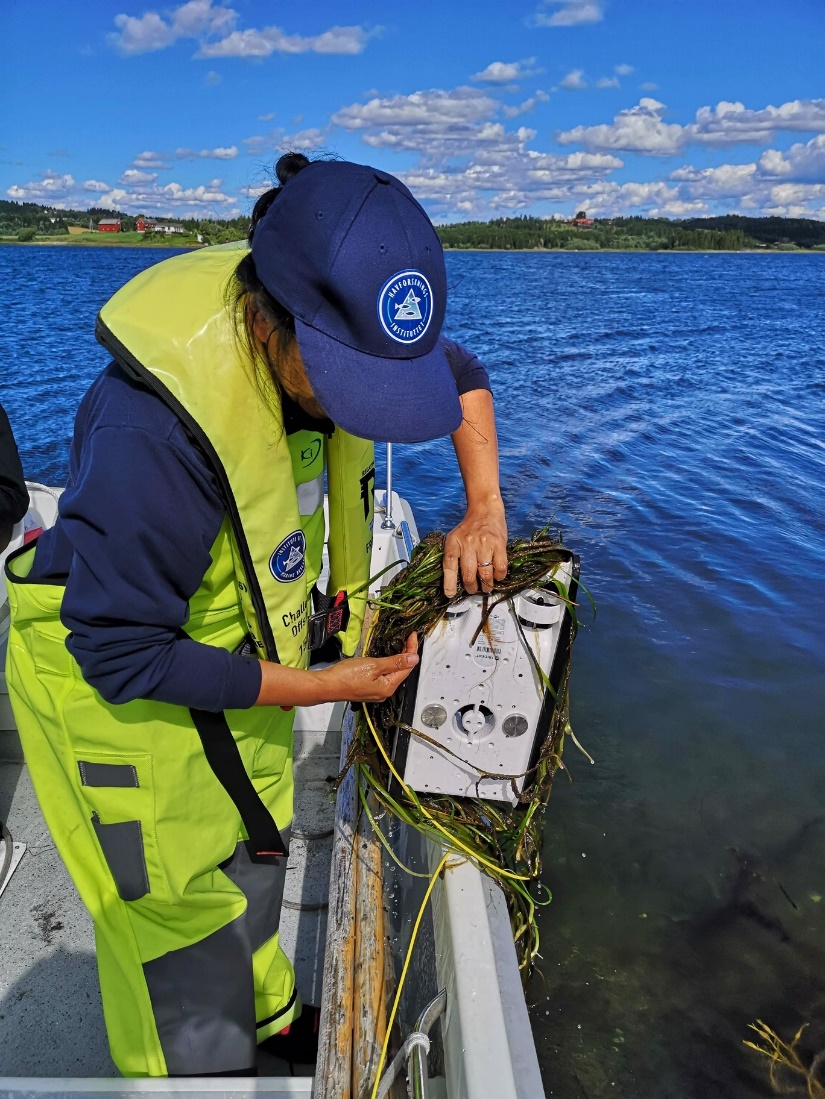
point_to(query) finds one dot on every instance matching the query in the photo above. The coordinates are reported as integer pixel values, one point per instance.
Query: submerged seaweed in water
(792, 1072)
(504, 841)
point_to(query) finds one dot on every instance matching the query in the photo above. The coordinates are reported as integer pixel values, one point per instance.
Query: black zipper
(134, 367)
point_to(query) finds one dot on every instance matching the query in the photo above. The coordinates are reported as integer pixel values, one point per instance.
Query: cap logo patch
(288, 561)
(405, 306)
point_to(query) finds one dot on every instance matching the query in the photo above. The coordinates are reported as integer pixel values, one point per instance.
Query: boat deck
(51, 1018)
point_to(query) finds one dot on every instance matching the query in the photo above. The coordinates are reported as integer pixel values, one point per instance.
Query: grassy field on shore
(121, 240)
(108, 240)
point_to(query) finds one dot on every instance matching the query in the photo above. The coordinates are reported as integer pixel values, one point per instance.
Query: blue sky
(485, 109)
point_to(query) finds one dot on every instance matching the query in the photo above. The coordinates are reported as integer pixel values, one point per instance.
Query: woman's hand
(369, 679)
(478, 548)
(358, 679)
(478, 545)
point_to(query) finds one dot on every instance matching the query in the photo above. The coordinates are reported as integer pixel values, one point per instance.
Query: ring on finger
(484, 564)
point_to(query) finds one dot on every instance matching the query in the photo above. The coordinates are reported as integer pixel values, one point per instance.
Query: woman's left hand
(478, 548)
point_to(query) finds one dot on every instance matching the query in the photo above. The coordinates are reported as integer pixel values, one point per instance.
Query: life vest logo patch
(288, 562)
(310, 453)
(405, 306)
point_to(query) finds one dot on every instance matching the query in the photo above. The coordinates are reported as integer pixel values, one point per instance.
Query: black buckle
(325, 623)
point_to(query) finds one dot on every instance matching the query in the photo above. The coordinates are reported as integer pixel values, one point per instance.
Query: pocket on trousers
(122, 846)
(118, 790)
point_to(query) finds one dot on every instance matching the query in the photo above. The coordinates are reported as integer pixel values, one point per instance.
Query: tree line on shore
(729, 233)
(732, 232)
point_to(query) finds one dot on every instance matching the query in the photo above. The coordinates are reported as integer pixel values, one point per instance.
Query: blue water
(668, 412)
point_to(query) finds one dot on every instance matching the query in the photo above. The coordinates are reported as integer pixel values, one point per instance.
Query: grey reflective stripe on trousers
(202, 995)
(263, 886)
(311, 495)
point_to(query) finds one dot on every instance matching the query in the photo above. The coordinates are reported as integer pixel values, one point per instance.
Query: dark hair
(246, 288)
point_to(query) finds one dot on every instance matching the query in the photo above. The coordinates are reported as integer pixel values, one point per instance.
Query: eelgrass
(504, 841)
(789, 1073)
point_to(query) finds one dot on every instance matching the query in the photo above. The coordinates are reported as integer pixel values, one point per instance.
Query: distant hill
(51, 221)
(729, 233)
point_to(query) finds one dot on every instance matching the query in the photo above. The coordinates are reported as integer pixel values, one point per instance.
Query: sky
(491, 108)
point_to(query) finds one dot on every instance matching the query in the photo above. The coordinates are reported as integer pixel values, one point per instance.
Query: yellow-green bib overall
(184, 898)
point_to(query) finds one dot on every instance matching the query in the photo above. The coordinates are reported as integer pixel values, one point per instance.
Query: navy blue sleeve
(468, 372)
(141, 517)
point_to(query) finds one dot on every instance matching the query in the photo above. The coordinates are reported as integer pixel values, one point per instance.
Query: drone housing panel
(478, 704)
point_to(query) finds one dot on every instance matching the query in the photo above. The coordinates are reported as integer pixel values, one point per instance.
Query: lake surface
(668, 412)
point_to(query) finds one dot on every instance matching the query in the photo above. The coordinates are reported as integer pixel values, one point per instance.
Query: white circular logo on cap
(405, 306)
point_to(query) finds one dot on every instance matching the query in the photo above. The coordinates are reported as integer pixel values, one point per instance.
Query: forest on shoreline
(731, 233)
(28, 222)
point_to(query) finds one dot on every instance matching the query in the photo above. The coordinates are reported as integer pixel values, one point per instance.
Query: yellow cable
(451, 838)
(403, 977)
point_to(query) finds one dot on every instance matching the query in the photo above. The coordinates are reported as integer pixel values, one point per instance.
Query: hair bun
(289, 165)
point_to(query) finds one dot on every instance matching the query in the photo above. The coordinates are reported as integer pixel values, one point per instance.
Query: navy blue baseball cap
(351, 254)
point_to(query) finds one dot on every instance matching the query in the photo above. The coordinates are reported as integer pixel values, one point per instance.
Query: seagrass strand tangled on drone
(504, 841)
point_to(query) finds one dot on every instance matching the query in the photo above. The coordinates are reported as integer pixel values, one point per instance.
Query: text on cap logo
(405, 306)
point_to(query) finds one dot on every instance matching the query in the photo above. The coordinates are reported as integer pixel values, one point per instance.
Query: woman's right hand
(369, 679)
(353, 679)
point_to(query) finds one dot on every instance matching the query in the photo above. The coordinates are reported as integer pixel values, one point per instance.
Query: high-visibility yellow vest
(173, 327)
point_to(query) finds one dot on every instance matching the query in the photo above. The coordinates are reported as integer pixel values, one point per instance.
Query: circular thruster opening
(515, 725)
(433, 716)
(474, 721)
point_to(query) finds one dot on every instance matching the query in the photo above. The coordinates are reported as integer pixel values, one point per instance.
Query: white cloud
(170, 199)
(135, 192)
(214, 28)
(639, 129)
(655, 199)
(50, 187)
(150, 159)
(569, 13)
(133, 177)
(727, 123)
(794, 179)
(279, 141)
(269, 40)
(574, 81)
(470, 164)
(528, 105)
(266, 117)
(309, 138)
(642, 129)
(506, 72)
(434, 123)
(801, 163)
(797, 200)
(648, 86)
(725, 181)
(212, 79)
(150, 31)
(614, 81)
(220, 153)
